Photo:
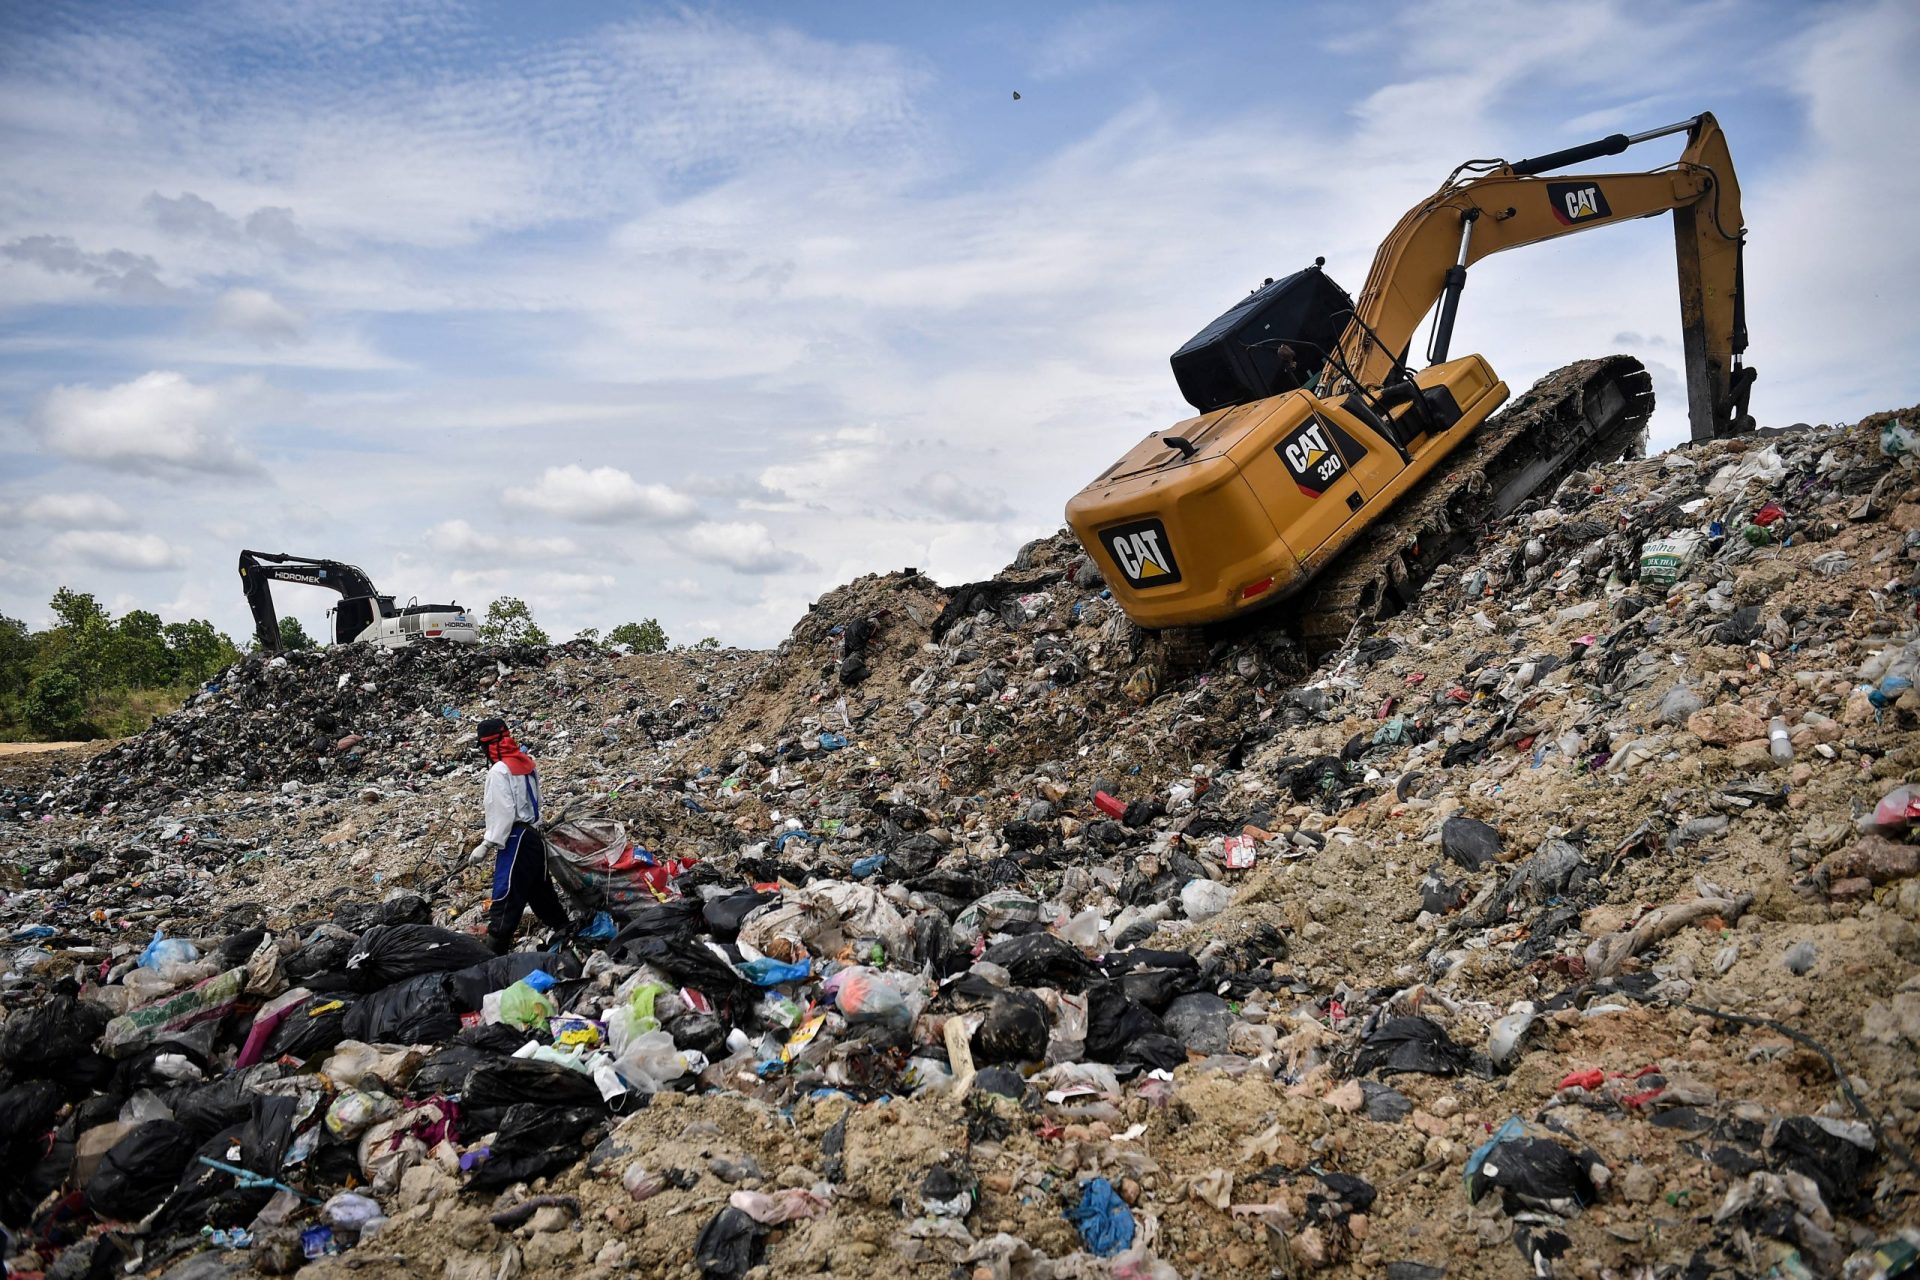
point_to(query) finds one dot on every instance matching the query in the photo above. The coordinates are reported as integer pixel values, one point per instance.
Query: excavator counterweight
(1326, 475)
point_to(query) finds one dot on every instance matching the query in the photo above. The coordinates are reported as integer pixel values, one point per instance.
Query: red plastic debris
(1768, 514)
(1583, 1080)
(1108, 805)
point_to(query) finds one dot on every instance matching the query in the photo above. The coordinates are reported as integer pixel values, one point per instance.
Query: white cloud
(158, 423)
(105, 549)
(134, 275)
(67, 511)
(604, 495)
(259, 317)
(743, 546)
(822, 474)
(946, 494)
(459, 538)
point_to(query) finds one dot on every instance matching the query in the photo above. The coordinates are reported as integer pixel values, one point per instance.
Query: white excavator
(363, 616)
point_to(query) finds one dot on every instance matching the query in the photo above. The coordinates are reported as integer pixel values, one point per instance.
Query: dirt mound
(1565, 924)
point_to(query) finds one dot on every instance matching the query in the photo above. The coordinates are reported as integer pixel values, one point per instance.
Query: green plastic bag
(641, 1002)
(523, 1007)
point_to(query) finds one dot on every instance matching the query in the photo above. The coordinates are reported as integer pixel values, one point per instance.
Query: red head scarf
(502, 749)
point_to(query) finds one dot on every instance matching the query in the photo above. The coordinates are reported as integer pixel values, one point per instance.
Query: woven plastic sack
(594, 865)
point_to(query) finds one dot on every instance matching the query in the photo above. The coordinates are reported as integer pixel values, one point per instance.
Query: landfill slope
(1524, 935)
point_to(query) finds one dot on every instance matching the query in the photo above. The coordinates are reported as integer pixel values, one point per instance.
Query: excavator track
(1588, 413)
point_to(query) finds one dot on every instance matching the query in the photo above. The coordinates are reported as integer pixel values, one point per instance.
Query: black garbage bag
(470, 986)
(213, 1197)
(325, 953)
(1041, 960)
(43, 1040)
(418, 1010)
(312, 1027)
(1152, 1053)
(446, 1069)
(724, 916)
(1469, 842)
(139, 1172)
(1743, 626)
(142, 1070)
(1534, 1173)
(677, 919)
(27, 1112)
(1115, 1022)
(1837, 1164)
(236, 950)
(535, 1139)
(1411, 1044)
(1014, 1030)
(702, 1031)
(401, 908)
(729, 1245)
(389, 953)
(495, 1087)
(268, 1132)
(208, 1108)
(1157, 988)
(1199, 1020)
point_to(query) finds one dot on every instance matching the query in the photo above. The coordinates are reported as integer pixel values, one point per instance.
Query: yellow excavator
(1324, 471)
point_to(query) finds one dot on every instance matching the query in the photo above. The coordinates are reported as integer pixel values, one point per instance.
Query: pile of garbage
(1566, 924)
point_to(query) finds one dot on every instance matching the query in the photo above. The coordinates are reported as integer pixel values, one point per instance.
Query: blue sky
(693, 312)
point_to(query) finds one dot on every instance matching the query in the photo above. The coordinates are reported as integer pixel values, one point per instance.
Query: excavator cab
(1315, 436)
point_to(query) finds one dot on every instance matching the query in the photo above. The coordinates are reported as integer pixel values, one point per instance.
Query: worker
(512, 803)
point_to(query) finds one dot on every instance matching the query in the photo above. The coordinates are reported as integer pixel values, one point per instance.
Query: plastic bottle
(1778, 741)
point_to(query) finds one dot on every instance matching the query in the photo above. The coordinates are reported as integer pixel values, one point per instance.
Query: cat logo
(1577, 202)
(1143, 553)
(1311, 459)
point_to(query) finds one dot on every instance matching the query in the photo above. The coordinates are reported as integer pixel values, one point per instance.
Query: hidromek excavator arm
(359, 604)
(1506, 205)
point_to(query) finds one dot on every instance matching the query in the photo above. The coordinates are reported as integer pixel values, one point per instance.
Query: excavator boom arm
(1424, 261)
(258, 569)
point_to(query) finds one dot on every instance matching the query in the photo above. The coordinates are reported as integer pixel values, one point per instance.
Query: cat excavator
(363, 615)
(1324, 473)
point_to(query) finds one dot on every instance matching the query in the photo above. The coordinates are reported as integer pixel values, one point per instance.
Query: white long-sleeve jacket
(510, 799)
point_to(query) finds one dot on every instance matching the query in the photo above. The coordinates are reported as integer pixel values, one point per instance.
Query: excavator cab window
(350, 618)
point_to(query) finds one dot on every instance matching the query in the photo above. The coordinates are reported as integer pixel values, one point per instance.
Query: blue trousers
(520, 881)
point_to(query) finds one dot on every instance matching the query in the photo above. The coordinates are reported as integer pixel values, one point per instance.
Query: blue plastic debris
(599, 928)
(165, 950)
(768, 972)
(1103, 1219)
(864, 867)
(831, 742)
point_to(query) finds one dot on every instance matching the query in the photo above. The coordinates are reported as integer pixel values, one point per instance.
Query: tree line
(92, 675)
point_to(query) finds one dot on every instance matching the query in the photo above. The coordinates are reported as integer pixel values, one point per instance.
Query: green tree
(56, 704)
(588, 633)
(77, 610)
(293, 635)
(81, 640)
(642, 637)
(140, 658)
(199, 651)
(509, 621)
(16, 657)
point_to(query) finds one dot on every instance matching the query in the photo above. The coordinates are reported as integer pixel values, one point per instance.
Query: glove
(480, 852)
